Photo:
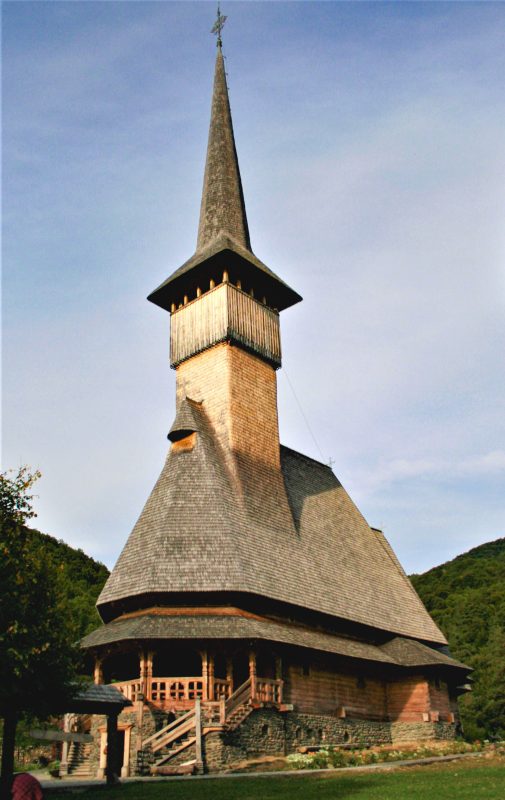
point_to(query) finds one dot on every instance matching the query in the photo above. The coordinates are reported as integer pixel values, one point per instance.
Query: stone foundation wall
(403, 732)
(267, 732)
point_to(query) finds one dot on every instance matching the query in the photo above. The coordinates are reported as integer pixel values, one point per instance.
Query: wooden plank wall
(325, 692)
(408, 699)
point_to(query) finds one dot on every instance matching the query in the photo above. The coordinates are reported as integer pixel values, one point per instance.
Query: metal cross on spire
(218, 26)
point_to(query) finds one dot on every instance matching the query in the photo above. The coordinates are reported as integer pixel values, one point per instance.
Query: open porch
(172, 679)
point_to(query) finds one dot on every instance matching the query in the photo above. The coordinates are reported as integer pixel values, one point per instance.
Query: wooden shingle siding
(224, 313)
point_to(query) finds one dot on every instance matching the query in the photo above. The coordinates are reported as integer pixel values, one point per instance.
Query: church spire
(222, 210)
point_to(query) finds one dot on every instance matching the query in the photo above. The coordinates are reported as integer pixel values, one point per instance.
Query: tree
(38, 659)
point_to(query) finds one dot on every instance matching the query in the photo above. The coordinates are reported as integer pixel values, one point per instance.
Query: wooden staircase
(175, 737)
(79, 760)
(237, 707)
(225, 715)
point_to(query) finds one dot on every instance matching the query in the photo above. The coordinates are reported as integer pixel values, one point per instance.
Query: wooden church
(253, 610)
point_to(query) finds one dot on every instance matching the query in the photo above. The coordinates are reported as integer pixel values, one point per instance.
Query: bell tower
(224, 306)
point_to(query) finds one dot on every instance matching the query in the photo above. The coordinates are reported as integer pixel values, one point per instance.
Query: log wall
(325, 692)
(409, 699)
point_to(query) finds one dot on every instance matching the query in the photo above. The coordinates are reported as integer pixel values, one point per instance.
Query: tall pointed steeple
(222, 209)
(223, 244)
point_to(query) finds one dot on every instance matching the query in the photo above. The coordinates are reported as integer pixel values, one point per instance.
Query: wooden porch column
(229, 673)
(211, 677)
(111, 768)
(252, 673)
(98, 671)
(205, 674)
(148, 674)
(278, 677)
(140, 703)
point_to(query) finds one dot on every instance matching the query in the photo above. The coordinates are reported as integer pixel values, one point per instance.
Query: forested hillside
(82, 578)
(466, 597)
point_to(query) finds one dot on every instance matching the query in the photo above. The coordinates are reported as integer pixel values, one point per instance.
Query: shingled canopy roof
(207, 528)
(156, 625)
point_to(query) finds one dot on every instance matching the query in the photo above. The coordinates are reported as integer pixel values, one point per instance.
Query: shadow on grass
(310, 787)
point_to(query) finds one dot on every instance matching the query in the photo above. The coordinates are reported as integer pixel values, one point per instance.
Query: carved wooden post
(229, 675)
(111, 768)
(278, 677)
(205, 674)
(252, 673)
(98, 671)
(143, 697)
(211, 677)
(149, 673)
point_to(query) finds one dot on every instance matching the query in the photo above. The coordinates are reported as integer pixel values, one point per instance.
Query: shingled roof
(294, 536)
(158, 626)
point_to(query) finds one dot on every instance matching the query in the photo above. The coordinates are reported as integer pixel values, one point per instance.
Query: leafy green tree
(38, 659)
(466, 597)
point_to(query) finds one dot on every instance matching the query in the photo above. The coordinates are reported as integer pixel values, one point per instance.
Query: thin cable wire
(303, 415)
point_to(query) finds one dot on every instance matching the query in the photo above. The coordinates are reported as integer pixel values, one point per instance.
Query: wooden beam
(61, 736)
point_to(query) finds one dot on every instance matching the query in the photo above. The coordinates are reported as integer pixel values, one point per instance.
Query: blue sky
(370, 138)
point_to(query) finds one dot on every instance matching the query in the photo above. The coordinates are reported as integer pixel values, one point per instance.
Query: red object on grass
(26, 787)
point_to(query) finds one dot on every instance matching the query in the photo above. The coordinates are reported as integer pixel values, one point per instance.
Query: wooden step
(173, 753)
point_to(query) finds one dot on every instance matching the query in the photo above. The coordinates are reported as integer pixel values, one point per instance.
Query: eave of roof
(223, 253)
(159, 625)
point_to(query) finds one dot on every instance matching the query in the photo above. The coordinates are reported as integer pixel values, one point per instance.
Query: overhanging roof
(223, 253)
(162, 625)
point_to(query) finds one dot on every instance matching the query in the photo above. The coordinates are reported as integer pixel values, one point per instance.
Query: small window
(305, 669)
(346, 736)
(361, 683)
(265, 730)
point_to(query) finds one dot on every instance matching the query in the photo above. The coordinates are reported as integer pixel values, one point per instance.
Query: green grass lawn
(474, 779)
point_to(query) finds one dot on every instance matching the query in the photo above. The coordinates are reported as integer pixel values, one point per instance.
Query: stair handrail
(172, 726)
(240, 696)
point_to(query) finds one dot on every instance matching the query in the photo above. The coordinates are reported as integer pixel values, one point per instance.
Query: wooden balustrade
(130, 689)
(239, 697)
(186, 690)
(163, 689)
(268, 690)
(221, 688)
(166, 690)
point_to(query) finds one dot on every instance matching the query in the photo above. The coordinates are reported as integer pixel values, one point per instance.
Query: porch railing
(163, 689)
(268, 690)
(177, 690)
(130, 689)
